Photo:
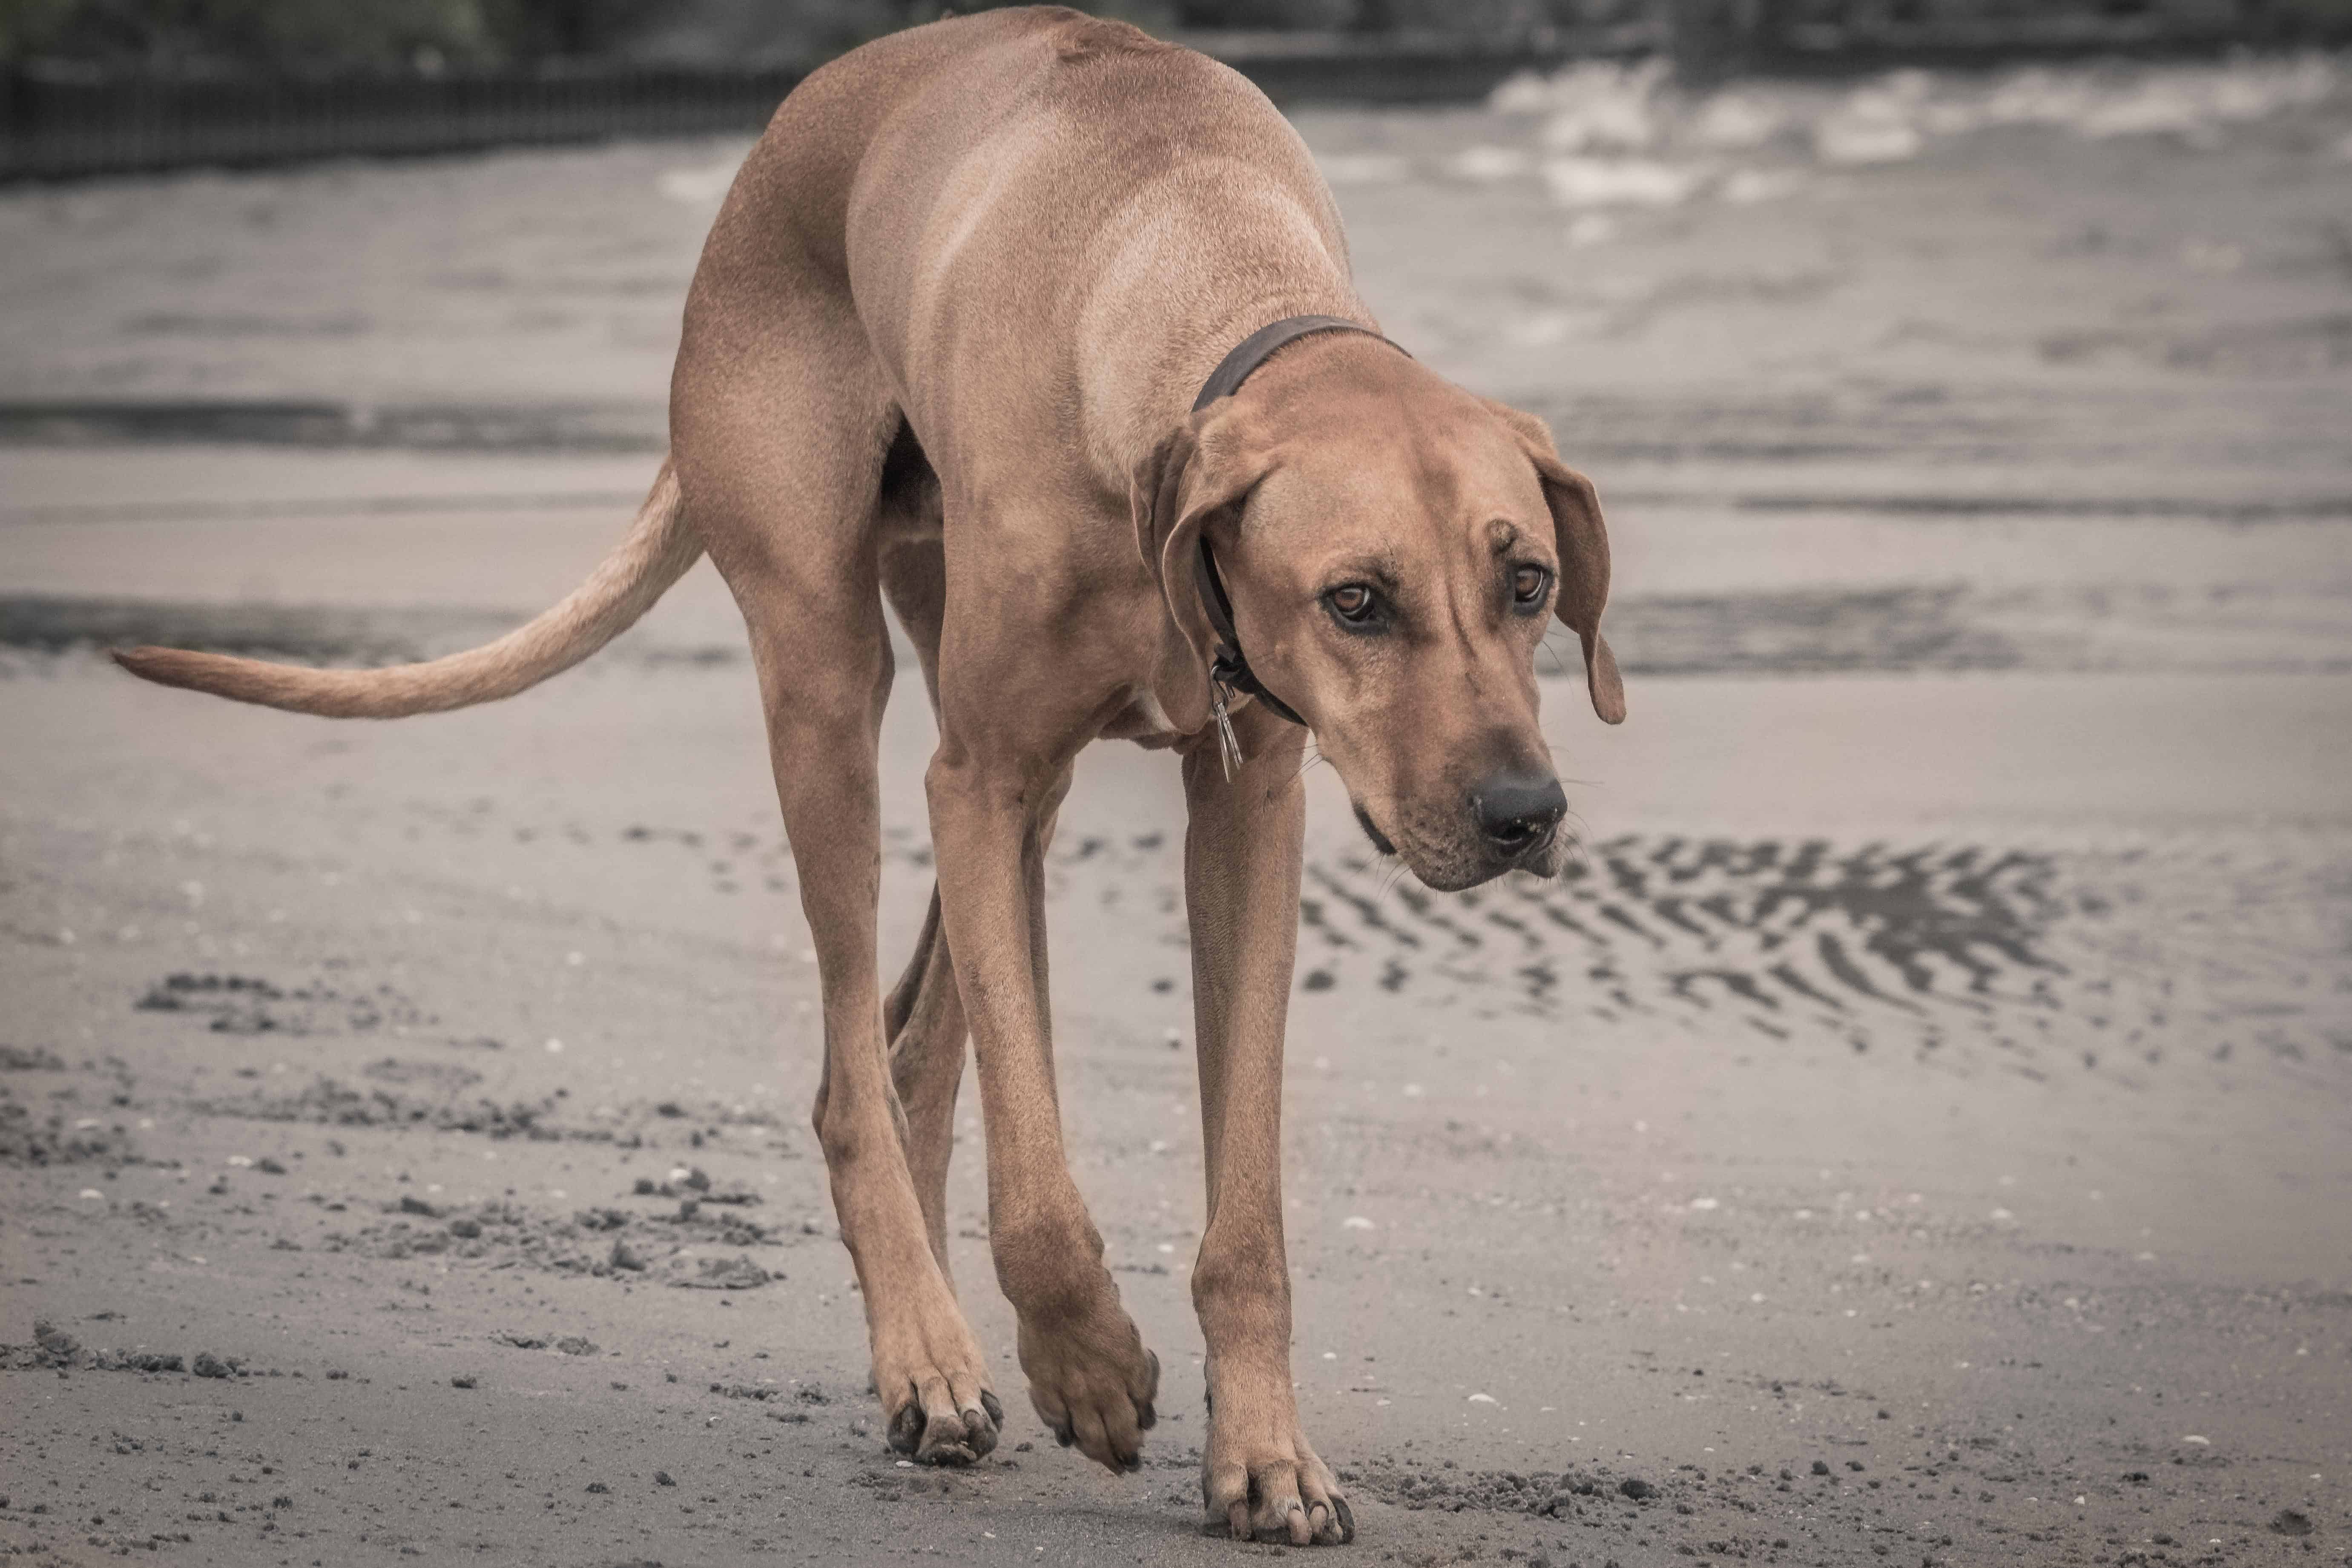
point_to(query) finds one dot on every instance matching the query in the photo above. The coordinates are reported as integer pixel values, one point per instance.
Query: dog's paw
(936, 1403)
(1260, 1479)
(1093, 1383)
(940, 1434)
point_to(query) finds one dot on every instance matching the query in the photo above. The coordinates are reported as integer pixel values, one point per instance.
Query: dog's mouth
(1372, 829)
(1447, 867)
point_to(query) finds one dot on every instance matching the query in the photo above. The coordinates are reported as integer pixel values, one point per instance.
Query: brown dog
(940, 350)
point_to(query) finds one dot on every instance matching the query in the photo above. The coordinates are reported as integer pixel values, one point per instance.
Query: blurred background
(111, 85)
(1914, 1129)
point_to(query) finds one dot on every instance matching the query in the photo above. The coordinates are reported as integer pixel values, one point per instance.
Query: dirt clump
(25, 1140)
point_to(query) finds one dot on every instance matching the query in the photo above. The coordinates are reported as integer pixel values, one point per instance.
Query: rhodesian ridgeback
(1042, 331)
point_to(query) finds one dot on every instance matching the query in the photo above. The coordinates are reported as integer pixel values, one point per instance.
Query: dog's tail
(659, 548)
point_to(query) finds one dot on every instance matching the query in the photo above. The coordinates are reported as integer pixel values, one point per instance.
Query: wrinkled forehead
(1403, 479)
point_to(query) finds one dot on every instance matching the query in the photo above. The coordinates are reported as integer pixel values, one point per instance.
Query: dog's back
(1059, 200)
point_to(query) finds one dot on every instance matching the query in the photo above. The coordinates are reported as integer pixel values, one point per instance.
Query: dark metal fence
(57, 125)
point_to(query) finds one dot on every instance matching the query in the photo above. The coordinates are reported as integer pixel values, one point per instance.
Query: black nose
(1516, 811)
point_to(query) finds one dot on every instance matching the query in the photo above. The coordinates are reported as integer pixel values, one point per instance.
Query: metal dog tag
(1229, 750)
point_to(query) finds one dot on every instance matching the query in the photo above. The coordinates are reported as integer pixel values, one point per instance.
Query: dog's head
(1394, 548)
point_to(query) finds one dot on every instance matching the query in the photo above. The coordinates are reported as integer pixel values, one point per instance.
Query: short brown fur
(940, 352)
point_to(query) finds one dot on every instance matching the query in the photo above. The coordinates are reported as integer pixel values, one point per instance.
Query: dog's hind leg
(923, 1021)
(925, 1014)
(781, 462)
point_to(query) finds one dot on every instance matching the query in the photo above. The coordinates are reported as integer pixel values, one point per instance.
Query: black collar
(1229, 669)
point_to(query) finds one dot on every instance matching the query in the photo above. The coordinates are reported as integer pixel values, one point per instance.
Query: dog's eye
(1528, 583)
(1354, 604)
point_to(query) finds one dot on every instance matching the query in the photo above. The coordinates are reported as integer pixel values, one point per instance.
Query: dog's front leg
(1089, 1376)
(1242, 851)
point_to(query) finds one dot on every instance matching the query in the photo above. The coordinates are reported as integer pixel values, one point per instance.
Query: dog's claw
(907, 1428)
(1146, 1415)
(995, 1408)
(1288, 1530)
(980, 1434)
(1346, 1519)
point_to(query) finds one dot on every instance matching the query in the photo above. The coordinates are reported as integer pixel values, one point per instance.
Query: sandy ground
(1916, 1131)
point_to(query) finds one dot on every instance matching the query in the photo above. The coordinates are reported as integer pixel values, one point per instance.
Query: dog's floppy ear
(1206, 464)
(1583, 544)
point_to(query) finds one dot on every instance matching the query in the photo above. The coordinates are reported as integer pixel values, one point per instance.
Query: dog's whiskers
(1559, 664)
